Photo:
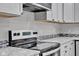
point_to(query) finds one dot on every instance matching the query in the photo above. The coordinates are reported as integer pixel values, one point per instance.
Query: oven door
(55, 52)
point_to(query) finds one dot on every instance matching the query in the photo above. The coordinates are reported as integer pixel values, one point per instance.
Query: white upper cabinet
(65, 12)
(49, 15)
(11, 9)
(69, 12)
(55, 11)
(76, 12)
(60, 12)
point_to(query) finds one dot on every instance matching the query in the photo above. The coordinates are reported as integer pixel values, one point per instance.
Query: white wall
(26, 21)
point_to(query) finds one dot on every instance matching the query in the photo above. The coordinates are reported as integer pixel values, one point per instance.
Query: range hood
(34, 7)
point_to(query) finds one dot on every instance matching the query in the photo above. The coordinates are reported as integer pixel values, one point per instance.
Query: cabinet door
(11, 8)
(60, 11)
(49, 15)
(55, 11)
(69, 12)
(76, 12)
(77, 48)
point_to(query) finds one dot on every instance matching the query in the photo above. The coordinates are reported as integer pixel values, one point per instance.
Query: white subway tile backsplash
(27, 22)
(69, 28)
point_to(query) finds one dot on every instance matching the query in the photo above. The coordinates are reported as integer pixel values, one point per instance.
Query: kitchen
(46, 25)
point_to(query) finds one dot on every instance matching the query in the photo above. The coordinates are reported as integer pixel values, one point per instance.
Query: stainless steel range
(28, 39)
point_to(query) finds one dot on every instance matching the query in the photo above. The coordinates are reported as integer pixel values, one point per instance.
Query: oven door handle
(50, 52)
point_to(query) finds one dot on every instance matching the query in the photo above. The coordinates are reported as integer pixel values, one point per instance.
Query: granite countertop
(14, 51)
(60, 40)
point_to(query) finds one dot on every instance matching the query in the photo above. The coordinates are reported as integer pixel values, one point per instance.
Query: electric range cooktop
(43, 46)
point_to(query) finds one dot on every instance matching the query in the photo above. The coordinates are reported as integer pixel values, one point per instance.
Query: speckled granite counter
(13, 51)
(60, 40)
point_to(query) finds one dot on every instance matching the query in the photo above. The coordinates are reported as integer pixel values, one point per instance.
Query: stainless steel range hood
(34, 7)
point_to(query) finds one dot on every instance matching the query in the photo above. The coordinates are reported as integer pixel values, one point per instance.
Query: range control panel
(20, 34)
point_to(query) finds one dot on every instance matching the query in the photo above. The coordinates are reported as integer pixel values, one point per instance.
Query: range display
(26, 33)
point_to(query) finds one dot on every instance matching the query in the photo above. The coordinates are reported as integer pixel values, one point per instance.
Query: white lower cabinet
(77, 48)
(67, 49)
